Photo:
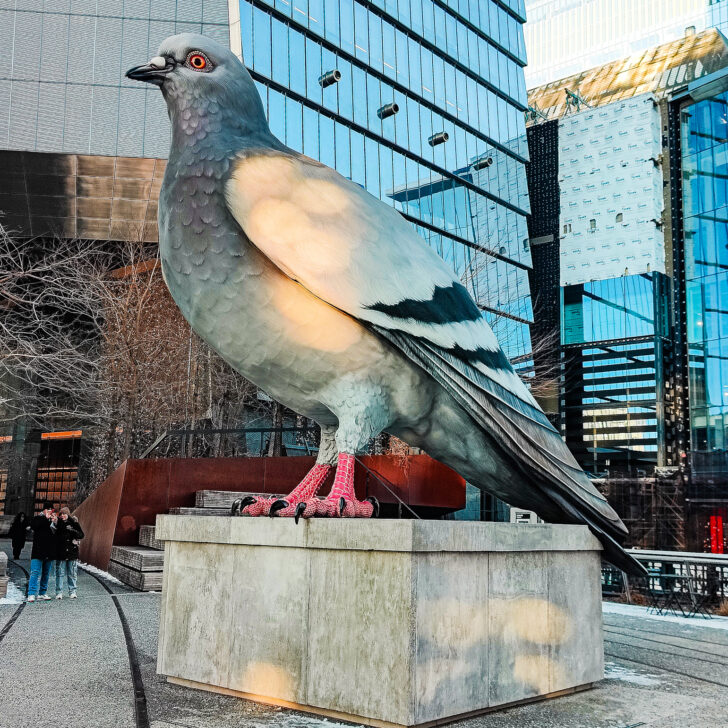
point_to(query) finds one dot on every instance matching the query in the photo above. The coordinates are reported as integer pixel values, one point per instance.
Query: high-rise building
(698, 124)
(421, 103)
(566, 36)
(627, 191)
(597, 174)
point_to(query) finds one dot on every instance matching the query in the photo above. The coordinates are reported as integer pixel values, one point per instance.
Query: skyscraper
(598, 143)
(420, 102)
(627, 176)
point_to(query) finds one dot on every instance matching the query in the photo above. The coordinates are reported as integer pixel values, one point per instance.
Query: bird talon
(342, 506)
(300, 508)
(375, 506)
(279, 505)
(236, 507)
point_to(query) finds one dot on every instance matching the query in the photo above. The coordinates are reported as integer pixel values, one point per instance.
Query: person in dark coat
(19, 533)
(68, 534)
(43, 555)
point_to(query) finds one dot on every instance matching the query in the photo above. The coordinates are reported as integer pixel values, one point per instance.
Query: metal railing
(388, 486)
(679, 572)
(239, 442)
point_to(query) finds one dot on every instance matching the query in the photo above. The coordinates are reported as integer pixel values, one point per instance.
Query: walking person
(43, 555)
(19, 533)
(68, 534)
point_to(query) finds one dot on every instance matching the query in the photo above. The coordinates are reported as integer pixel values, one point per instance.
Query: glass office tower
(698, 131)
(704, 144)
(420, 102)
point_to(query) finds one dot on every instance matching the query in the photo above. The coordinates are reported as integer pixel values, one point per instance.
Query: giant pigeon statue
(327, 299)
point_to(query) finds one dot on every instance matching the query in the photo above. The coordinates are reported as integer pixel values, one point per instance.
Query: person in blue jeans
(68, 534)
(43, 555)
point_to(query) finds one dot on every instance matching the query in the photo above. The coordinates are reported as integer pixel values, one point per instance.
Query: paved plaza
(67, 664)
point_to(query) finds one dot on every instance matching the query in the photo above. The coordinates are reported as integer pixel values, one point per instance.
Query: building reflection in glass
(704, 131)
(613, 335)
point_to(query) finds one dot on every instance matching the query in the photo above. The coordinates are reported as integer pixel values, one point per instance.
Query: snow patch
(298, 720)
(14, 595)
(95, 570)
(631, 610)
(612, 671)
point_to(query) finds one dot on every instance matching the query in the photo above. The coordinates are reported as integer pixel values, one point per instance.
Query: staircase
(141, 566)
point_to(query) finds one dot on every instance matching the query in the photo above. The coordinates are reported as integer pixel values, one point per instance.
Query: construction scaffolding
(652, 508)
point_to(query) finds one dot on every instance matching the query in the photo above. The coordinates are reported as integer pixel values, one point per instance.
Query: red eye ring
(197, 61)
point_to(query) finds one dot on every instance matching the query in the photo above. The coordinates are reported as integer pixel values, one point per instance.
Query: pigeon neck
(200, 120)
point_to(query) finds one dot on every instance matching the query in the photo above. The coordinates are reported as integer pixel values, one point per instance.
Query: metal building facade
(63, 87)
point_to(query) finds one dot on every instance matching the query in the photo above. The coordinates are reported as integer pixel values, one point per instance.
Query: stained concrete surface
(466, 615)
(65, 664)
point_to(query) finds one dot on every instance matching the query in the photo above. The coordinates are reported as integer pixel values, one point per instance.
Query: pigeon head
(205, 85)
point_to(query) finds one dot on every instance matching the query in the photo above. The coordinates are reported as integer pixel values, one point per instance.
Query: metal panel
(52, 100)
(23, 114)
(54, 48)
(78, 119)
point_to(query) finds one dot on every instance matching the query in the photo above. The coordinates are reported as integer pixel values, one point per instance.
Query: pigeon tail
(525, 438)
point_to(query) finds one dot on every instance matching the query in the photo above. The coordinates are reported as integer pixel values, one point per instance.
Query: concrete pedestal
(404, 623)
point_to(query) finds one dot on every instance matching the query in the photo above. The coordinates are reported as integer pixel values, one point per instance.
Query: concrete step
(185, 511)
(146, 538)
(142, 580)
(140, 558)
(223, 498)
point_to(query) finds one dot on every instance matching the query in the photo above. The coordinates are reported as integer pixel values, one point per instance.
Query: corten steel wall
(75, 195)
(138, 490)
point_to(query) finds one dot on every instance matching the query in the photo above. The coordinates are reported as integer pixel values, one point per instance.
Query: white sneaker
(73, 595)
(31, 597)
(44, 597)
(59, 596)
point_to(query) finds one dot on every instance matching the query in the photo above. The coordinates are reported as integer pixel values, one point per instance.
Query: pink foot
(306, 489)
(341, 501)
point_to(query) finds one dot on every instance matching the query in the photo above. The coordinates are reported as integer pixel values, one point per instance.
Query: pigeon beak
(153, 72)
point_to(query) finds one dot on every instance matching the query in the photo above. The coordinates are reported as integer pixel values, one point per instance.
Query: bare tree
(91, 339)
(49, 364)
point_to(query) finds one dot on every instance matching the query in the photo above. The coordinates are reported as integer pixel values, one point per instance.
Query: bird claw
(239, 504)
(368, 508)
(375, 506)
(279, 505)
(300, 508)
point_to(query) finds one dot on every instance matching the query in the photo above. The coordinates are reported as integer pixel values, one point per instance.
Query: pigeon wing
(361, 256)
(351, 249)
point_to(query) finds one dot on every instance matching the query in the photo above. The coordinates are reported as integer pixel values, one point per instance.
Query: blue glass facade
(614, 334)
(704, 147)
(451, 159)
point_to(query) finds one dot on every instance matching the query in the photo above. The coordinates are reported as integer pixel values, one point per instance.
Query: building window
(619, 217)
(567, 228)
(592, 225)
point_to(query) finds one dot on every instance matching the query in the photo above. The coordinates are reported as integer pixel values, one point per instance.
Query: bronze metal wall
(76, 195)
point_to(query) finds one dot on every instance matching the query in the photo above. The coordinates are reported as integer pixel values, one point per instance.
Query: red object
(306, 489)
(138, 490)
(716, 535)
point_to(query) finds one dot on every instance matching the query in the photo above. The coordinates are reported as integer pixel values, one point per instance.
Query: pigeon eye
(198, 61)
